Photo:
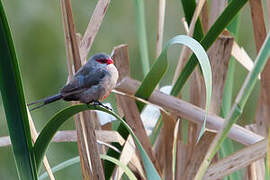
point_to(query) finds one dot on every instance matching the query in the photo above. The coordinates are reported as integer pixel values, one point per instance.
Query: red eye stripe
(103, 61)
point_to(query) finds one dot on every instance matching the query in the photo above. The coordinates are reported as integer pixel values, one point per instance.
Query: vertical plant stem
(84, 156)
(142, 37)
(84, 126)
(67, 40)
(72, 35)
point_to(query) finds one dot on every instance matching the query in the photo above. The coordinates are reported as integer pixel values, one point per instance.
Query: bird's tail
(45, 101)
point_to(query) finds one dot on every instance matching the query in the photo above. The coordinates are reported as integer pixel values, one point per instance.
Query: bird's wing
(84, 79)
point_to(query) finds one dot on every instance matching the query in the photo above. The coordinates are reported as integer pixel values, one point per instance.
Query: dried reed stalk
(263, 112)
(93, 27)
(219, 55)
(128, 105)
(217, 6)
(188, 111)
(236, 161)
(84, 125)
(127, 153)
(196, 158)
(168, 137)
(256, 169)
(159, 148)
(268, 12)
(71, 136)
(84, 156)
(242, 57)
(161, 18)
(204, 17)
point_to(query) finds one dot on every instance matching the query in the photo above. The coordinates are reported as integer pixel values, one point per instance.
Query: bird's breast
(110, 81)
(114, 74)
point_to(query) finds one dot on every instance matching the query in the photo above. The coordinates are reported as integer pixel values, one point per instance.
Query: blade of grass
(14, 103)
(54, 124)
(227, 147)
(238, 106)
(267, 164)
(61, 166)
(142, 37)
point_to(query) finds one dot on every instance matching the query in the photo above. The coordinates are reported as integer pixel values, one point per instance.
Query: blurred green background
(39, 41)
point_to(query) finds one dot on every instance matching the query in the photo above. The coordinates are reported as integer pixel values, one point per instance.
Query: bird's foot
(97, 103)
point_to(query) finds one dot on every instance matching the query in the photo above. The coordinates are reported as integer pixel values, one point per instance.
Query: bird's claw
(97, 103)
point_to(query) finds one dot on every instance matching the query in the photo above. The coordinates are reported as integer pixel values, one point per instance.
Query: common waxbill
(92, 83)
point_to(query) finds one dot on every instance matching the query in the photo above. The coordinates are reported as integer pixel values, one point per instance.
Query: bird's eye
(102, 61)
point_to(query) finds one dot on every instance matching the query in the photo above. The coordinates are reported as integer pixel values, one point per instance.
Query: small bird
(92, 83)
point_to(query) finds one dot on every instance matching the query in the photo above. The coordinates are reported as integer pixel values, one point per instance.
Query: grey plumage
(91, 83)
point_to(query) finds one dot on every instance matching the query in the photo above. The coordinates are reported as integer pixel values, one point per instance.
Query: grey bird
(92, 83)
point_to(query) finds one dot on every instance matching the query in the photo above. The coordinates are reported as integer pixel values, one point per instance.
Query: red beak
(109, 61)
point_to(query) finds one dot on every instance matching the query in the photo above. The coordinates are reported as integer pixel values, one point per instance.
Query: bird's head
(102, 59)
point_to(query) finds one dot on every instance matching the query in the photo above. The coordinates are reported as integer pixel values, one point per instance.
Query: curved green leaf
(61, 166)
(159, 68)
(54, 124)
(14, 103)
(76, 160)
